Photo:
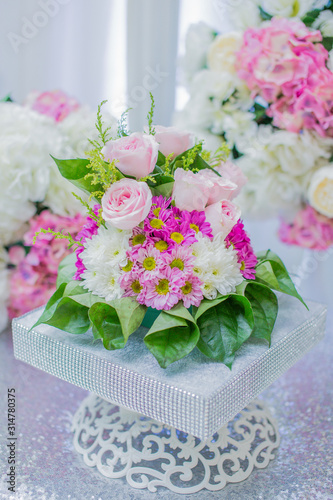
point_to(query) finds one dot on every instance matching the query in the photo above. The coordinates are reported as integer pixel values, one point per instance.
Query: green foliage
(264, 15)
(150, 115)
(310, 17)
(102, 173)
(7, 98)
(66, 269)
(270, 271)
(173, 335)
(59, 235)
(97, 218)
(103, 134)
(328, 43)
(224, 328)
(220, 155)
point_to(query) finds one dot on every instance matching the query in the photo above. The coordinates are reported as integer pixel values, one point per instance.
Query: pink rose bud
(126, 203)
(222, 217)
(173, 140)
(136, 154)
(233, 173)
(190, 190)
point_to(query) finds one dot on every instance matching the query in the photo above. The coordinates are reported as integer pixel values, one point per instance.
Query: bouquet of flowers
(163, 245)
(268, 92)
(32, 190)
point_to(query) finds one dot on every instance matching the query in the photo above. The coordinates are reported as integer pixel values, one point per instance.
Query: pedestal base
(123, 443)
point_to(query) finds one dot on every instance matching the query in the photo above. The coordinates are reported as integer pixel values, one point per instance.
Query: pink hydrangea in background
(33, 280)
(309, 230)
(54, 103)
(282, 63)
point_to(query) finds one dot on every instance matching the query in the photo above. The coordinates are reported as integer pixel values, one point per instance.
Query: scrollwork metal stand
(123, 443)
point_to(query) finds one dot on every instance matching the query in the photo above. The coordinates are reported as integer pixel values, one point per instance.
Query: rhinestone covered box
(194, 395)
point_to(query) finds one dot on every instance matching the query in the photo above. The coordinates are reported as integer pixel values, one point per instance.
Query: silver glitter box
(194, 395)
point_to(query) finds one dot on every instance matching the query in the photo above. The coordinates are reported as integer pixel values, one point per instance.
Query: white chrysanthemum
(287, 8)
(324, 23)
(103, 257)
(279, 166)
(4, 289)
(26, 141)
(244, 13)
(198, 38)
(216, 266)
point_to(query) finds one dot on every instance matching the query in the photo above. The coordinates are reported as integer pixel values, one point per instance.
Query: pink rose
(222, 217)
(136, 154)
(126, 203)
(233, 173)
(173, 140)
(222, 189)
(190, 190)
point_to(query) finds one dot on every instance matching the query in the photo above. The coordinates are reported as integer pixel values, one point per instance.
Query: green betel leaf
(75, 171)
(163, 189)
(76, 292)
(106, 326)
(67, 315)
(265, 307)
(207, 304)
(66, 269)
(224, 328)
(51, 306)
(271, 271)
(160, 159)
(130, 314)
(173, 335)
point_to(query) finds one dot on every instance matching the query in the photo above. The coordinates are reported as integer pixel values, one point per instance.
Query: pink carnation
(54, 103)
(33, 280)
(309, 230)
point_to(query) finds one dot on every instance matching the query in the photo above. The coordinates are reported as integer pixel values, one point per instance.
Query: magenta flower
(238, 237)
(198, 222)
(163, 292)
(89, 229)
(161, 225)
(159, 203)
(191, 293)
(182, 235)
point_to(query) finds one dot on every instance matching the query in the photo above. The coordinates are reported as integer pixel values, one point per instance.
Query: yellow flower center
(194, 227)
(161, 245)
(149, 263)
(177, 263)
(156, 211)
(242, 267)
(156, 223)
(138, 239)
(177, 237)
(136, 287)
(128, 266)
(187, 288)
(163, 287)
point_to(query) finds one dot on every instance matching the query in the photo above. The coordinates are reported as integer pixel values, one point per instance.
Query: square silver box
(195, 394)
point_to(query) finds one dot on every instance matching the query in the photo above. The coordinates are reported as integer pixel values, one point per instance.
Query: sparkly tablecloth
(49, 468)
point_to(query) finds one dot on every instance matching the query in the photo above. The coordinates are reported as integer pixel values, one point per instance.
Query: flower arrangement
(47, 122)
(163, 245)
(268, 92)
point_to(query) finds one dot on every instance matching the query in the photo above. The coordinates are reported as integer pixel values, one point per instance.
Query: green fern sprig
(150, 115)
(96, 217)
(220, 155)
(122, 124)
(167, 170)
(188, 160)
(59, 235)
(102, 133)
(102, 172)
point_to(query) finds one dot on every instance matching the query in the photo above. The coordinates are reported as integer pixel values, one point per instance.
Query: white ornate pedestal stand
(123, 443)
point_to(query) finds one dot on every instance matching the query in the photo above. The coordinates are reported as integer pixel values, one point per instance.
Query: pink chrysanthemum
(149, 262)
(130, 283)
(197, 221)
(248, 261)
(191, 292)
(89, 229)
(180, 257)
(163, 292)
